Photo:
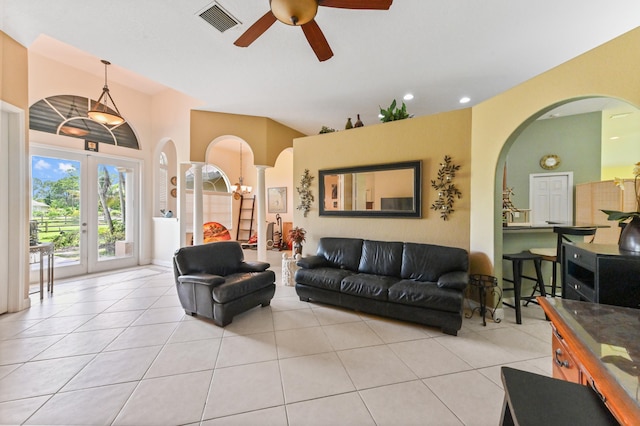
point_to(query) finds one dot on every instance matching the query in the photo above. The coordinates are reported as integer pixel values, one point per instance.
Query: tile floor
(117, 349)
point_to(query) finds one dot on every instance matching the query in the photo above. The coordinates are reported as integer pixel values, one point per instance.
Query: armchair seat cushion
(325, 278)
(367, 285)
(242, 283)
(426, 295)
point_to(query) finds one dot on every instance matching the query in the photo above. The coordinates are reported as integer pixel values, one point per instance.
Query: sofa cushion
(427, 262)
(381, 258)
(219, 258)
(326, 278)
(426, 295)
(341, 252)
(242, 283)
(369, 286)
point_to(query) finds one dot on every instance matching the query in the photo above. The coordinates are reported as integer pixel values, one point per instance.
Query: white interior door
(551, 198)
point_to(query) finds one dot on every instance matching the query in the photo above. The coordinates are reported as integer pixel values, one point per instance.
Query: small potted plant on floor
(297, 237)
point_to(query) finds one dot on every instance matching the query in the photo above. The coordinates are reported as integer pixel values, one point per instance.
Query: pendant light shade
(74, 114)
(101, 111)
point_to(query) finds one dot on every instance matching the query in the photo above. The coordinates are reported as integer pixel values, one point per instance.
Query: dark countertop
(611, 334)
(547, 227)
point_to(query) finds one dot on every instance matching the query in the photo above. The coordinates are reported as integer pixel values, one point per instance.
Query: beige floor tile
(473, 398)
(408, 404)
(148, 292)
(167, 400)
(195, 329)
(13, 351)
(391, 331)
(129, 304)
(231, 386)
(351, 335)
(288, 303)
(88, 342)
(85, 308)
(167, 301)
(238, 350)
(56, 325)
(107, 320)
(256, 320)
(9, 329)
(428, 358)
(39, 378)
(276, 416)
(374, 366)
(185, 357)
(314, 376)
(533, 366)
(302, 341)
(328, 315)
(476, 350)
(344, 409)
(114, 367)
(95, 406)
(18, 411)
(300, 318)
(144, 335)
(522, 345)
(159, 316)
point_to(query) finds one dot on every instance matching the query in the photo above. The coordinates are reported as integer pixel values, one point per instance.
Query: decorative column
(197, 204)
(262, 214)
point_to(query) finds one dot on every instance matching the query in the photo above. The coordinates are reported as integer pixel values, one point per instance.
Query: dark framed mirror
(380, 190)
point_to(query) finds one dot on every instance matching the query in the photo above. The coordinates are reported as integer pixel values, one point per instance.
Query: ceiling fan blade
(256, 30)
(317, 40)
(357, 4)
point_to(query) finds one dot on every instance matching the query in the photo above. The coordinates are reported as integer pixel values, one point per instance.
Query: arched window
(163, 182)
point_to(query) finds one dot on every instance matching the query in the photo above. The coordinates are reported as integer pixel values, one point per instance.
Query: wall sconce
(446, 189)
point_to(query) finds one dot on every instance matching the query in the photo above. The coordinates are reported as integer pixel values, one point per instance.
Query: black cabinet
(601, 273)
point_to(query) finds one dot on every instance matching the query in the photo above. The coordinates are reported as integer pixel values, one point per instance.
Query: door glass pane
(55, 207)
(114, 210)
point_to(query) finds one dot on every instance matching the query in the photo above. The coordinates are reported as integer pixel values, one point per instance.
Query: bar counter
(604, 341)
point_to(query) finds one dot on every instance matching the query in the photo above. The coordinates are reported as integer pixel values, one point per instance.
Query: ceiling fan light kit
(302, 13)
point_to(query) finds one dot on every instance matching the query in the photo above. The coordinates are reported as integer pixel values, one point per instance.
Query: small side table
(484, 283)
(44, 250)
(289, 269)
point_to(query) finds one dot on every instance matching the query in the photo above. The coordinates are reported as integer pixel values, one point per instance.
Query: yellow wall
(266, 137)
(609, 70)
(427, 138)
(13, 72)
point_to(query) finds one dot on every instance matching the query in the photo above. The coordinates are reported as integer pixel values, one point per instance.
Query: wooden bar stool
(517, 261)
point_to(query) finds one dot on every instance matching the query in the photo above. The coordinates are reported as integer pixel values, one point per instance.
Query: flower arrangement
(297, 235)
(622, 216)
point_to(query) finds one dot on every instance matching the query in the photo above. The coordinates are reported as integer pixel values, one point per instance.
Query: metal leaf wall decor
(447, 190)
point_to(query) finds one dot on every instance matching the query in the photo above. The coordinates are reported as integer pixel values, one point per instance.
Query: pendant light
(72, 130)
(240, 188)
(100, 111)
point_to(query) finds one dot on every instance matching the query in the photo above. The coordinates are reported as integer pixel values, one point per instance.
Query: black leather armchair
(214, 281)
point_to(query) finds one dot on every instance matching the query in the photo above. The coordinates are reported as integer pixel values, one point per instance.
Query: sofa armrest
(455, 280)
(311, 262)
(201, 278)
(253, 266)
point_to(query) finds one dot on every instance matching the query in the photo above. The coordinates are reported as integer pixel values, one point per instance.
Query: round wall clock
(550, 162)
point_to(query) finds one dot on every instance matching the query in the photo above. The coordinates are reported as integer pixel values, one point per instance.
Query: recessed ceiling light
(614, 138)
(408, 97)
(465, 99)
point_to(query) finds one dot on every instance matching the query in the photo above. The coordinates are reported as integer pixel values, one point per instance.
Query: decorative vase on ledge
(297, 248)
(630, 236)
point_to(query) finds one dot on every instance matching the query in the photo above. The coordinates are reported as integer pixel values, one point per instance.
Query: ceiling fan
(302, 13)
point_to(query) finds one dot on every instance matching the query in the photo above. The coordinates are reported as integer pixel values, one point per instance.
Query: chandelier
(101, 111)
(240, 189)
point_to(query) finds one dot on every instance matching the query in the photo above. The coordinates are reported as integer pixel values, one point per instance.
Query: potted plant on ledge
(297, 237)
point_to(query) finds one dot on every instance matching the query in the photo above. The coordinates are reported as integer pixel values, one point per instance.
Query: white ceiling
(439, 50)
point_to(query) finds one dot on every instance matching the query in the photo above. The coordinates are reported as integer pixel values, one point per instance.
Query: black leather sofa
(422, 283)
(214, 281)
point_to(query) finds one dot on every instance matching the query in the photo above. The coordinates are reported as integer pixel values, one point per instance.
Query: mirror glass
(381, 190)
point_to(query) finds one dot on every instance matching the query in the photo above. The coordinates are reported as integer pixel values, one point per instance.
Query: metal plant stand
(485, 284)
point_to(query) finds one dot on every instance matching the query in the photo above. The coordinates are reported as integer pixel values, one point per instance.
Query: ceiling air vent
(219, 18)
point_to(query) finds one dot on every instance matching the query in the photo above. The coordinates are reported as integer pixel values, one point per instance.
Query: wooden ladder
(245, 218)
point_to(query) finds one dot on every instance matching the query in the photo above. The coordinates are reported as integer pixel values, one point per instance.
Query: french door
(86, 204)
